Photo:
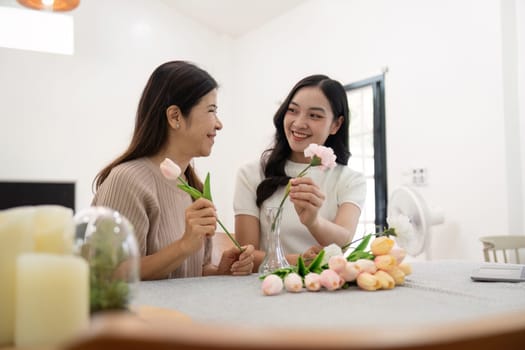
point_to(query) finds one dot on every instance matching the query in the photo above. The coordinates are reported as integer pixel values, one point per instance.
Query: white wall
(64, 117)
(520, 20)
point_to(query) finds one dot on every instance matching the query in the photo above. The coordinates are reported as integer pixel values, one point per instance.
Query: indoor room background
(454, 85)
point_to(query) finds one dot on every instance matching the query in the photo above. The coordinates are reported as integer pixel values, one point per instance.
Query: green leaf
(206, 192)
(364, 242)
(301, 268)
(190, 190)
(359, 254)
(315, 265)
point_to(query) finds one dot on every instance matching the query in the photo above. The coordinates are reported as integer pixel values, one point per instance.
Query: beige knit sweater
(155, 206)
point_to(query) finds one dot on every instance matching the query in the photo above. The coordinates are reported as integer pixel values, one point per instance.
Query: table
(438, 308)
(436, 292)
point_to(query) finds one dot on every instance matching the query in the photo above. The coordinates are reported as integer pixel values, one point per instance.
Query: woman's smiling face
(202, 125)
(309, 119)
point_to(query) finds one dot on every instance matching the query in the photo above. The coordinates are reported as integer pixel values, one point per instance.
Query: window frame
(379, 133)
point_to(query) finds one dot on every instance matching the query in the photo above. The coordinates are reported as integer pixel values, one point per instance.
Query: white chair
(503, 244)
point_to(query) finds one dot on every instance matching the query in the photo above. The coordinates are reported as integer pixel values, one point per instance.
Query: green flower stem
(230, 236)
(287, 192)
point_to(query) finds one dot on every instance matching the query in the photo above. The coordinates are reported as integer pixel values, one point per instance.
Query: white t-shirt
(339, 185)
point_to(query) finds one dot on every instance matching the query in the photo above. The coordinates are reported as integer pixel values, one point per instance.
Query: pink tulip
(365, 265)
(293, 282)
(312, 281)
(272, 285)
(387, 282)
(170, 169)
(385, 262)
(337, 263)
(381, 245)
(330, 279)
(398, 253)
(350, 272)
(367, 281)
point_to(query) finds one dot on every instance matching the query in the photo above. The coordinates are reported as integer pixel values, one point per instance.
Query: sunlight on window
(36, 31)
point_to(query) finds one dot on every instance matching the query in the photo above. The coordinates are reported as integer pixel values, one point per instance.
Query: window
(366, 99)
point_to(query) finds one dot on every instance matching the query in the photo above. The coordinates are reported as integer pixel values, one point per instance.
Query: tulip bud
(368, 281)
(272, 285)
(350, 272)
(293, 282)
(337, 263)
(397, 274)
(385, 262)
(312, 281)
(170, 169)
(387, 282)
(406, 268)
(330, 279)
(398, 253)
(365, 265)
(381, 245)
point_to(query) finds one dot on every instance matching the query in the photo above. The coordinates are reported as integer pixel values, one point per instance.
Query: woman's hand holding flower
(307, 199)
(201, 222)
(236, 263)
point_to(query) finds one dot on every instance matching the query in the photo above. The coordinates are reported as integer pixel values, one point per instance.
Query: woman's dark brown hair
(177, 83)
(273, 160)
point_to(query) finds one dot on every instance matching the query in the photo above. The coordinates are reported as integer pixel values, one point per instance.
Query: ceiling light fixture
(51, 5)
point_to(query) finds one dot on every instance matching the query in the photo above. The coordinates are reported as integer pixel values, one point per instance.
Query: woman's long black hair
(273, 159)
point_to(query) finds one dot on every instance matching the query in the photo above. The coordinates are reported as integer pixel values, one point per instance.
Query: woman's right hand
(201, 222)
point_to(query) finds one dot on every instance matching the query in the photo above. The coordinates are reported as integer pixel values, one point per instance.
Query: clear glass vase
(275, 257)
(106, 239)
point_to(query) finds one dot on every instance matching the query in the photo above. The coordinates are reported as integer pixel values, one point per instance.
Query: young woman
(324, 206)
(176, 119)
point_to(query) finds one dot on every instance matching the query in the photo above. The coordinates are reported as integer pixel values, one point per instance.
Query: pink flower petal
(312, 281)
(272, 285)
(293, 282)
(170, 169)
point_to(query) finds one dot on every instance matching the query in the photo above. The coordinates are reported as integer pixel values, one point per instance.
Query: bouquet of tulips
(380, 267)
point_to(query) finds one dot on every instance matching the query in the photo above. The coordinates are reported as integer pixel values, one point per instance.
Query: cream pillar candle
(16, 236)
(54, 229)
(52, 302)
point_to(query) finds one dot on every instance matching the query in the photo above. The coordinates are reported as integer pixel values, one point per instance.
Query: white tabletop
(436, 292)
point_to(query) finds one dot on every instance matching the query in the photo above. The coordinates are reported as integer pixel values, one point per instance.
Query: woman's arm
(341, 230)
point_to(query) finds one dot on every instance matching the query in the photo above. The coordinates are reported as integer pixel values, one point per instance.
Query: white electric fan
(407, 208)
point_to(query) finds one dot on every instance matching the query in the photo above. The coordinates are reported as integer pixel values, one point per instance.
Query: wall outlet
(419, 176)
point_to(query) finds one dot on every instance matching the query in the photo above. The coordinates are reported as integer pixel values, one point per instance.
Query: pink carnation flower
(321, 155)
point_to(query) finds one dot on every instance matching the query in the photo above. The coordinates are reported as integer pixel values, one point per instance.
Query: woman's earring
(177, 126)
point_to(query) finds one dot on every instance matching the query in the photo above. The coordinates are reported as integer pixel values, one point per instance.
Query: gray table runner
(436, 292)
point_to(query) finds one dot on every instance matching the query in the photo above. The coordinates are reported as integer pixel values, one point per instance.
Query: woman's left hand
(307, 198)
(233, 262)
